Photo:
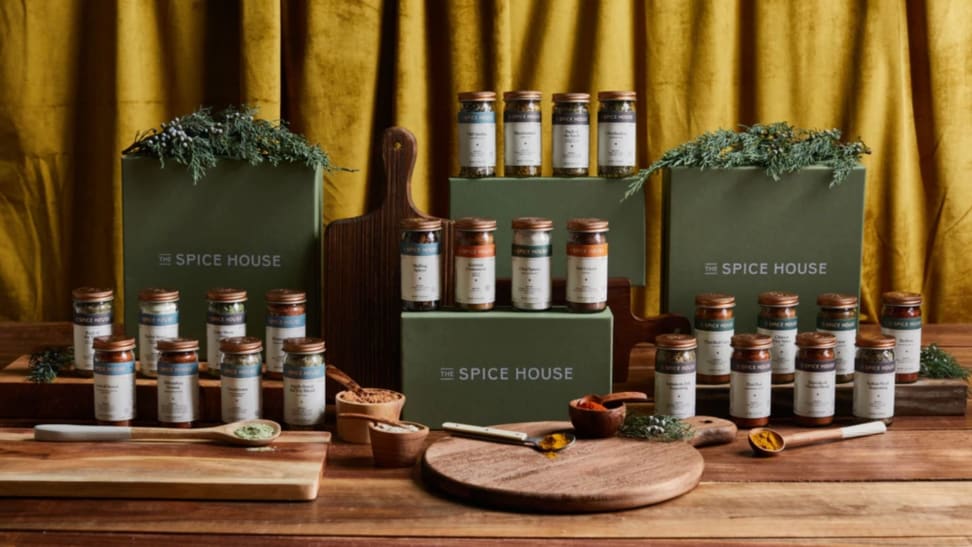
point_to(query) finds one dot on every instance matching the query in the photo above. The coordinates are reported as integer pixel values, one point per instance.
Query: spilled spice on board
(254, 432)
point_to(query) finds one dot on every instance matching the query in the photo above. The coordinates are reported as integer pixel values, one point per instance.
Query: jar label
(675, 394)
(833, 325)
(587, 273)
(303, 389)
(609, 116)
(750, 367)
(240, 395)
(808, 365)
(420, 272)
(226, 318)
(148, 335)
(286, 321)
(114, 390)
(476, 277)
(869, 363)
(844, 352)
(784, 348)
(510, 116)
(92, 319)
(874, 395)
(477, 139)
(901, 323)
(531, 287)
(776, 323)
(675, 364)
(715, 325)
(571, 146)
(715, 350)
(616, 140)
(178, 392)
(814, 392)
(521, 142)
(215, 333)
(158, 319)
(476, 251)
(907, 348)
(749, 393)
(277, 331)
(83, 338)
(571, 118)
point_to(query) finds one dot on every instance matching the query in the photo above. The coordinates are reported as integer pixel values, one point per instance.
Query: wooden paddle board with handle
(592, 475)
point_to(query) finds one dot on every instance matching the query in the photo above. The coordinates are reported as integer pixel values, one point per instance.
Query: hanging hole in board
(398, 145)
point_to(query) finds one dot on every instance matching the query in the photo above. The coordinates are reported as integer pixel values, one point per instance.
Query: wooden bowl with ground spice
(381, 403)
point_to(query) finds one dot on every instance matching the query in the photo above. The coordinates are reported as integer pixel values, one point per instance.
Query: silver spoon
(225, 433)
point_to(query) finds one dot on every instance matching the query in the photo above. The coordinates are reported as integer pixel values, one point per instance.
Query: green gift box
(502, 366)
(740, 232)
(242, 226)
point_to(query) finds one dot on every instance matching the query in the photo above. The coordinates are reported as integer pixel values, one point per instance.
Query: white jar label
(476, 274)
(84, 336)
(907, 347)
(784, 334)
(303, 389)
(531, 276)
(675, 394)
(477, 139)
(215, 333)
(845, 331)
(521, 138)
(874, 391)
(715, 345)
(571, 142)
(178, 392)
(420, 271)
(750, 389)
(814, 389)
(616, 138)
(587, 273)
(240, 394)
(280, 328)
(114, 391)
(152, 328)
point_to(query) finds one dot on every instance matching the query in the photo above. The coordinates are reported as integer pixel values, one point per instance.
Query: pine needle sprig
(655, 428)
(779, 148)
(938, 363)
(45, 365)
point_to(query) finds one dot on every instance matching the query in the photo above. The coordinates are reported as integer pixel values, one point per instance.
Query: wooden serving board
(590, 476)
(289, 469)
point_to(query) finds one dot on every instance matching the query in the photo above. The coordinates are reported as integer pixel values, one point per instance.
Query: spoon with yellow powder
(768, 442)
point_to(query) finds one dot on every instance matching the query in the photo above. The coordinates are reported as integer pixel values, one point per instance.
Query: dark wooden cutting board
(590, 476)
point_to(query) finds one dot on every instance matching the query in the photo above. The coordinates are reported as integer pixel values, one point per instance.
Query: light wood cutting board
(289, 469)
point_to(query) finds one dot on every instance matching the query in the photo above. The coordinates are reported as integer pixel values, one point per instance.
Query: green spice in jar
(571, 134)
(225, 318)
(874, 371)
(92, 318)
(178, 382)
(477, 134)
(838, 316)
(675, 375)
(522, 148)
(421, 253)
(530, 286)
(303, 383)
(616, 134)
(158, 319)
(241, 396)
(286, 318)
(778, 320)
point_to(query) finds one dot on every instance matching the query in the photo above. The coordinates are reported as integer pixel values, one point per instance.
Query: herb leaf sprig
(779, 148)
(655, 428)
(46, 364)
(938, 363)
(200, 139)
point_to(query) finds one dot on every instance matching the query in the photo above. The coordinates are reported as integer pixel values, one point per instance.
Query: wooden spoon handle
(622, 397)
(359, 416)
(708, 430)
(342, 378)
(834, 434)
(70, 432)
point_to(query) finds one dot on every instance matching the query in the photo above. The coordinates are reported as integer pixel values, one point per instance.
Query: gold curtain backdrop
(79, 78)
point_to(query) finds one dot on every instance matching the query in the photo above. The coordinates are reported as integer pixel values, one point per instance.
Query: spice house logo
(506, 374)
(765, 268)
(220, 260)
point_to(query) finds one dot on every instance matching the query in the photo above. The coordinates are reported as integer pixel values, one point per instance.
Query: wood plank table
(910, 486)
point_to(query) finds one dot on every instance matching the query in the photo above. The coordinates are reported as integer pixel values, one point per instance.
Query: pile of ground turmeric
(766, 439)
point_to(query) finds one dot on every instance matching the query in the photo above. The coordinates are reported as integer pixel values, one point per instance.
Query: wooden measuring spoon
(224, 433)
(761, 436)
(552, 442)
(342, 378)
(378, 419)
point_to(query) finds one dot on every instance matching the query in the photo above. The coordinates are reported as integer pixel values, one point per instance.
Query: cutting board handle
(709, 430)
(398, 151)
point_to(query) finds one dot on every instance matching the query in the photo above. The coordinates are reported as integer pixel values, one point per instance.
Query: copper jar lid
(675, 341)
(715, 300)
(92, 294)
(836, 300)
(286, 296)
(899, 298)
(240, 344)
(419, 224)
(522, 95)
(115, 342)
(470, 96)
(752, 341)
(572, 97)
(778, 299)
(158, 295)
(303, 345)
(617, 96)
(533, 223)
(177, 344)
(475, 224)
(878, 341)
(587, 225)
(226, 295)
(821, 340)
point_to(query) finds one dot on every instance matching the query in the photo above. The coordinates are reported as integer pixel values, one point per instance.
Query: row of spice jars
(178, 380)
(570, 129)
(286, 317)
(475, 264)
(750, 392)
(837, 315)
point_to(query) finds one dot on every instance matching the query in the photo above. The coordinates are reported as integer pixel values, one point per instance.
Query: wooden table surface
(910, 486)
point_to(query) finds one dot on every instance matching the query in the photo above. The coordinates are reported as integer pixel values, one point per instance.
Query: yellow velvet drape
(79, 78)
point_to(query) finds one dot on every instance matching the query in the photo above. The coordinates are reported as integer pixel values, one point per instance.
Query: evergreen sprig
(199, 140)
(938, 363)
(46, 364)
(655, 427)
(779, 148)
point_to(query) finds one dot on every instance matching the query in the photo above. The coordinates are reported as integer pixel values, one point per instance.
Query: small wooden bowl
(595, 424)
(356, 431)
(396, 449)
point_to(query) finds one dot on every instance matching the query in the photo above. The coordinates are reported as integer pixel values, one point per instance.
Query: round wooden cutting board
(589, 476)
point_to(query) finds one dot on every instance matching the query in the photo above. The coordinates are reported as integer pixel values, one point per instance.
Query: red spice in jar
(587, 265)
(714, 327)
(814, 387)
(778, 320)
(475, 264)
(178, 382)
(750, 390)
(114, 379)
(901, 318)
(286, 318)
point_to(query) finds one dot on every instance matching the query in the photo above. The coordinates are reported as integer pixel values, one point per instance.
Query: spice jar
(571, 134)
(241, 397)
(303, 383)
(838, 316)
(715, 324)
(475, 263)
(532, 250)
(814, 386)
(901, 318)
(158, 319)
(778, 320)
(114, 379)
(616, 134)
(874, 382)
(477, 134)
(420, 255)
(92, 318)
(286, 318)
(587, 265)
(226, 318)
(675, 375)
(750, 391)
(178, 383)
(522, 149)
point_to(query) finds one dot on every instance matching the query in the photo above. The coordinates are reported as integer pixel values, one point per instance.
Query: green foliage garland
(938, 363)
(46, 364)
(655, 428)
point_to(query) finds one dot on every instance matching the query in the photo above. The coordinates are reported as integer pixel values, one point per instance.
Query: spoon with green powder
(243, 433)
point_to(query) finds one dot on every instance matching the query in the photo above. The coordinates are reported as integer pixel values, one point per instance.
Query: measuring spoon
(803, 438)
(551, 442)
(224, 433)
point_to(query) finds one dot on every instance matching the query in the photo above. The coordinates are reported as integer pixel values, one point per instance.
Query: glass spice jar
(178, 382)
(286, 318)
(874, 382)
(532, 249)
(778, 320)
(675, 375)
(901, 318)
(303, 383)
(587, 265)
(838, 316)
(241, 396)
(225, 318)
(475, 263)
(114, 379)
(715, 324)
(814, 386)
(616, 134)
(421, 252)
(158, 319)
(571, 134)
(92, 318)
(522, 148)
(477, 134)
(750, 390)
